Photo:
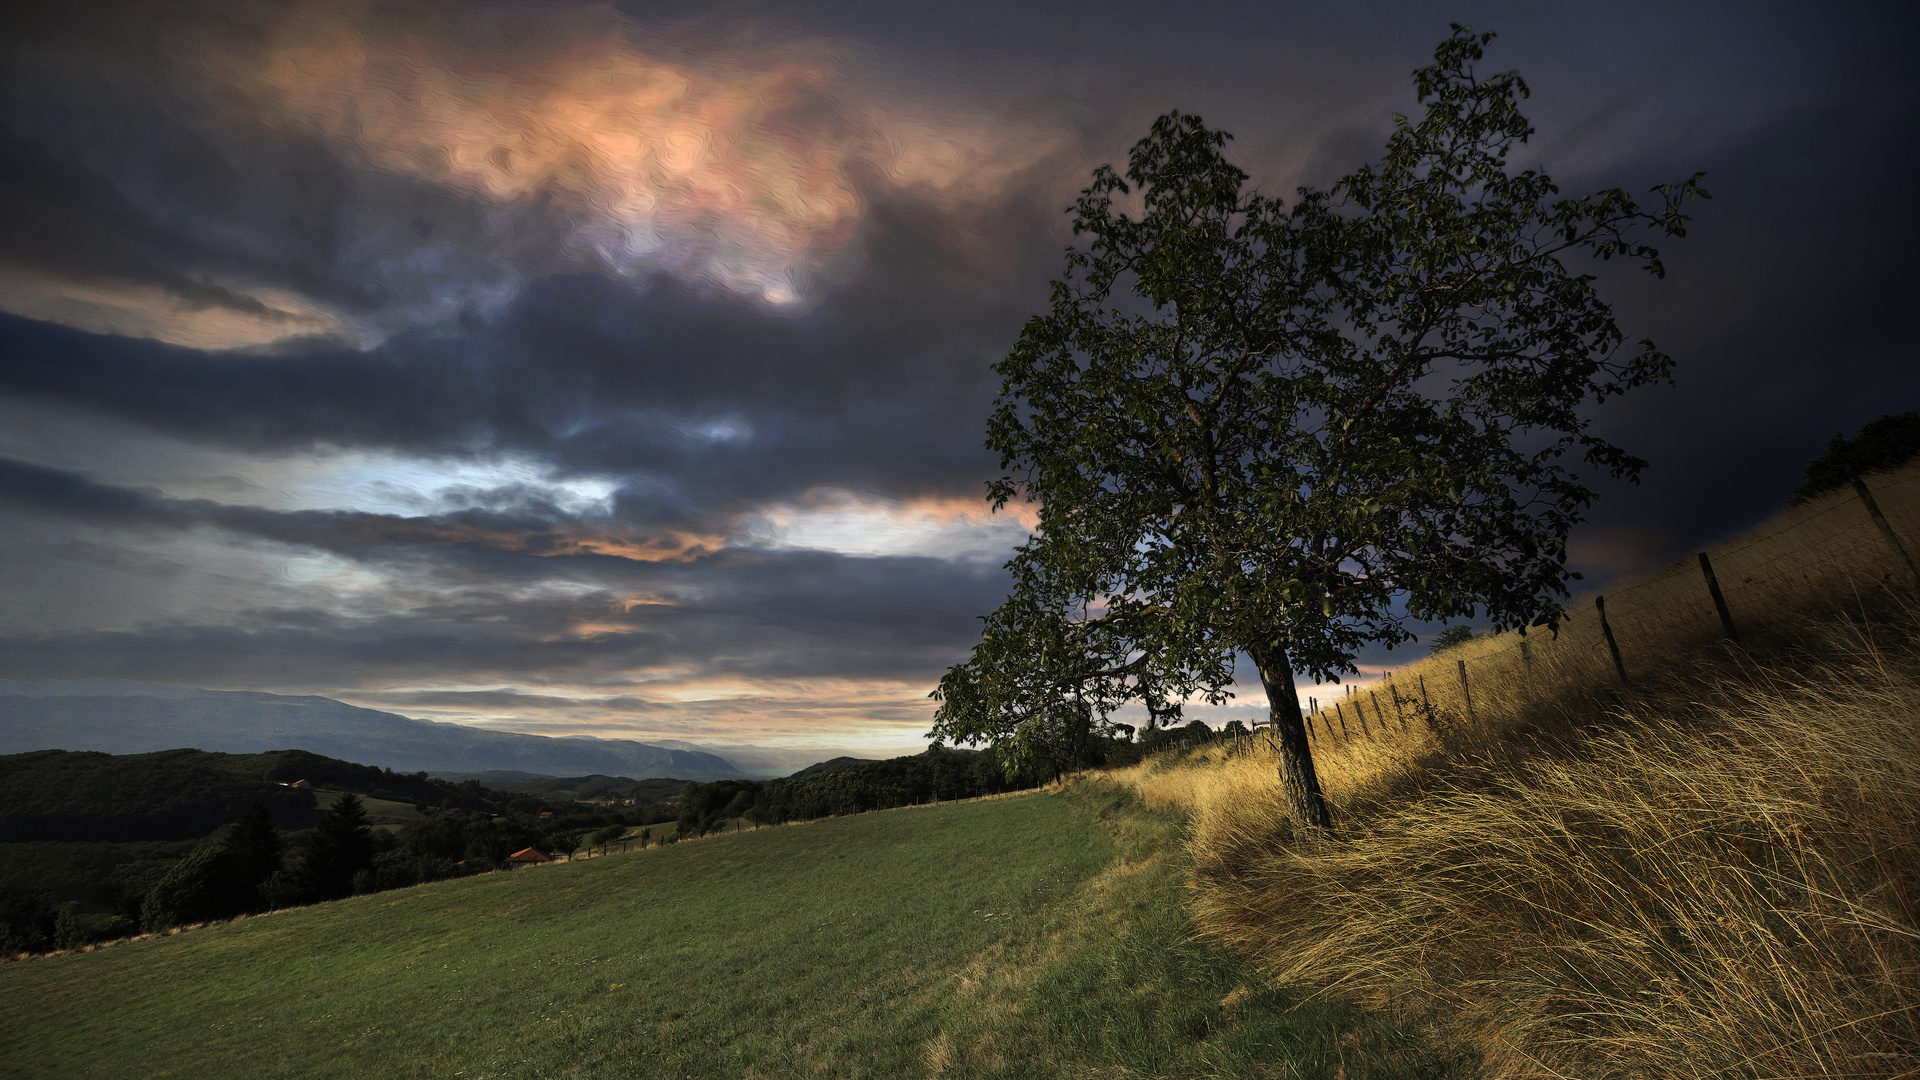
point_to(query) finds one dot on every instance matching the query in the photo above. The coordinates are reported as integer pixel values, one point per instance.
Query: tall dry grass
(1714, 872)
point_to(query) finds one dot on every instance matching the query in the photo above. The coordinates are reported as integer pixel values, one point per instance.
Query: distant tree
(67, 929)
(221, 878)
(608, 835)
(279, 889)
(338, 849)
(259, 843)
(1452, 637)
(646, 837)
(705, 807)
(27, 921)
(1886, 443)
(74, 927)
(1286, 432)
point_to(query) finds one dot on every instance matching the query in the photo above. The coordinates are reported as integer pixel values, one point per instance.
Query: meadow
(1033, 935)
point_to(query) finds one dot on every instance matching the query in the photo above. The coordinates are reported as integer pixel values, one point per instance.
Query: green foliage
(1886, 443)
(106, 881)
(27, 921)
(705, 806)
(1288, 431)
(65, 796)
(221, 878)
(648, 794)
(1192, 732)
(74, 926)
(337, 850)
(1452, 637)
(88, 871)
(847, 786)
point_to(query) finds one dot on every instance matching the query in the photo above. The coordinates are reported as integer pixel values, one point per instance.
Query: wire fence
(1840, 547)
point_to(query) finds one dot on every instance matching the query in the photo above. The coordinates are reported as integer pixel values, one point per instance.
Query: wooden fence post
(1377, 714)
(1344, 733)
(1426, 704)
(1719, 600)
(1886, 532)
(1466, 693)
(1394, 693)
(1600, 605)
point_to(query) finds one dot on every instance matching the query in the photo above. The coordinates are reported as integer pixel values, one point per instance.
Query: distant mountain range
(134, 718)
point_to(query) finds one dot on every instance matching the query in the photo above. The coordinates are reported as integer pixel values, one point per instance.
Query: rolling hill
(119, 717)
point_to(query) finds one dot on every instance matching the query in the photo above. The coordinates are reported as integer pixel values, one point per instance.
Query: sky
(623, 369)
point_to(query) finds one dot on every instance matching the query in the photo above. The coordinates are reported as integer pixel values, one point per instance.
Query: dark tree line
(64, 796)
(246, 867)
(252, 865)
(1886, 443)
(940, 774)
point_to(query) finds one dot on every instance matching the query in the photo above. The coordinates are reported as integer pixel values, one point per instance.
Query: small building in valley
(528, 857)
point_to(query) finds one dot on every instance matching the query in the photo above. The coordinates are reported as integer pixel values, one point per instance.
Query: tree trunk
(1302, 784)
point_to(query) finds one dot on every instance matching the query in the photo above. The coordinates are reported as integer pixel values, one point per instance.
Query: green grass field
(1040, 935)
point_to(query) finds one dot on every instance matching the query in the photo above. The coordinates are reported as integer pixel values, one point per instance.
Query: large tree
(1285, 431)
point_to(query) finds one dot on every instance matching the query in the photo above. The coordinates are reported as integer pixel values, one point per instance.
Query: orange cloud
(878, 717)
(856, 524)
(747, 165)
(253, 317)
(633, 544)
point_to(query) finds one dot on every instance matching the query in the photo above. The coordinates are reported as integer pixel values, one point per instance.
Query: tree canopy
(1286, 431)
(1886, 443)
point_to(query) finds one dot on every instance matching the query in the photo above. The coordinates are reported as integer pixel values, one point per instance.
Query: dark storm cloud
(351, 170)
(727, 613)
(347, 533)
(882, 386)
(276, 230)
(791, 617)
(1780, 309)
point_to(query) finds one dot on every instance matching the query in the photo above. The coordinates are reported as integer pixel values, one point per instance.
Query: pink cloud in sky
(745, 163)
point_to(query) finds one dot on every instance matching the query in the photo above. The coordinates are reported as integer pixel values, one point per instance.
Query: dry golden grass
(1714, 872)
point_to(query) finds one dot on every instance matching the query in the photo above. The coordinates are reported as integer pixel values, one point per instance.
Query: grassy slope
(1707, 874)
(1031, 936)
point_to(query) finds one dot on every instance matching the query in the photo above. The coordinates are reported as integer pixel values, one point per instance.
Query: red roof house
(528, 857)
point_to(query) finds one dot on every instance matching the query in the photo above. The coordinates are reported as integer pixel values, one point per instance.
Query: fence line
(1831, 550)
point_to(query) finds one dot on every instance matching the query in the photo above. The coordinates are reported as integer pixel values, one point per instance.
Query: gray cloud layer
(193, 249)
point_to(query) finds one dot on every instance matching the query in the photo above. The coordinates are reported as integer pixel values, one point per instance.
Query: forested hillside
(848, 786)
(96, 845)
